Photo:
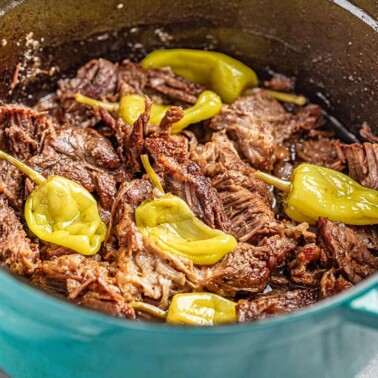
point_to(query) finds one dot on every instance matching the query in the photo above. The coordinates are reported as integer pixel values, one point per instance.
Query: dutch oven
(331, 47)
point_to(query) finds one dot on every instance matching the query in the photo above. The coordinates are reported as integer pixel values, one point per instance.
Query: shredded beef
(84, 156)
(238, 271)
(143, 270)
(323, 151)
(258, 124)
(22, 130)
(184, 178)
(362, 162)
(345, 251)
(301, 272)
(275, 303)
(330, 285)
(16, 249)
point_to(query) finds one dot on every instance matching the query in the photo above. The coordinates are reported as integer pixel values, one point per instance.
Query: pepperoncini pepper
(172, 226)
(62, 212)
(224, 75)
(317, 191)
(203, 309)
(207, 106)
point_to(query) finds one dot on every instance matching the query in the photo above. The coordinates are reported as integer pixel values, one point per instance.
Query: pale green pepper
(224, 75)
(322, 192)
(202, 309)
(172, 226)
(62, 212)
(132, 106)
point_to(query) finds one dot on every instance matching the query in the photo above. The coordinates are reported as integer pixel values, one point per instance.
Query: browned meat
(184, 178)
(16, 249)
(85, 145)
(368, 236)
(304, 269)
(275, 303)
(84, 156)
(143, 270)
(345, 251)
(280, 82)
(323, 151)
(22, 130)
(85, 280)
(362, 162)
(238, 271)
(97, 79)
(330, 285)
(219, 156)
(250, 216)
(258, 124)
(11, 184)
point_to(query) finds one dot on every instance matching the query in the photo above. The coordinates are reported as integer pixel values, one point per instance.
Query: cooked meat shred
(275, 303)
(16, 250)
(278, 265)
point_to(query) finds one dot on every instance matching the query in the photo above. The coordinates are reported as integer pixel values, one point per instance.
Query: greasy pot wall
(333, 54)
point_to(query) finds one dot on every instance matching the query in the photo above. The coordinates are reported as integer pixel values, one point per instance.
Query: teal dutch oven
(332, 49)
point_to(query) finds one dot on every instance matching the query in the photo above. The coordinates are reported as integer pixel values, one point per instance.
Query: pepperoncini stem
(275, 181)
(224, 75)
(149, 309)
(110, 106)
(31, 173)
(151, 173)
(287, 97)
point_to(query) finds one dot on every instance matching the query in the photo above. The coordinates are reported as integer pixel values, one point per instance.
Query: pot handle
(364, 310)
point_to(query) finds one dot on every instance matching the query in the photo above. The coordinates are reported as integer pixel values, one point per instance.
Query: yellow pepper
(202, 309)
(132, 106)
(224, 75)
(62, 212)
(172, 226)
(317, 191)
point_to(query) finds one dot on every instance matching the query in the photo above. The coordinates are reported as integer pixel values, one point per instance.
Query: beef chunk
(22, 131)
(362, 162)
(11, 184)
(238, 271)
(304, 269)
(87, 146)
(85, 280)
(323, 151)
(250, 216)
(220, 156)
(97, 79)
(258, 124)
(184, 178)
(16, 249)
(275, 303)
(280, 82)
(330, 285)
(84, 156)
(345, 251)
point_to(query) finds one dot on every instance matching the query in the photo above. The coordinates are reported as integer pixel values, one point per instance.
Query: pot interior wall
(333, 54)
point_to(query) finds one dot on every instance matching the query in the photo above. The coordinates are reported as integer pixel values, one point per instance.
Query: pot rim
(66, 308)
